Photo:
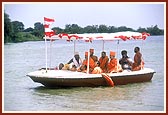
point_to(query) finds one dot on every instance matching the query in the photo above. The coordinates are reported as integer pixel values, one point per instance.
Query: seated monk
(95, 59)
(113, 65)
(91, 62)
(138, 62)
(104, 61)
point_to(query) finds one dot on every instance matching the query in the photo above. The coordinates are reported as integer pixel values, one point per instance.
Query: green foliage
(25, 36)
(7, 28)
(102, 29)
(15, 32)
(17, 26)
(90, 29)
(57, 30)
(155, 30)
(38, 30)
(28, 30)
(72, 29)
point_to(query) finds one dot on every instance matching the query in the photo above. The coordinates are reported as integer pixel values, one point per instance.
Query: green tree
(17, 26)
(25, 36)
(7, 28)
(141, 30)
(57, 30)
(29, 29)
(155, 30)
(102, 29)
(38, 30)
(75, 29)
(112, 29)
(123, 28)
(91, 29)
(67, 28)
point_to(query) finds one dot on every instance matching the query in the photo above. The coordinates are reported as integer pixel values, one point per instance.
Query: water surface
(22, 94)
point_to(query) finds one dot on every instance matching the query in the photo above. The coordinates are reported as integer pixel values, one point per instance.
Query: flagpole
(74, 46)
(117, 55)
(88, 62)
(50, 52)
(47, 22)
(88, 59)
(46, 52)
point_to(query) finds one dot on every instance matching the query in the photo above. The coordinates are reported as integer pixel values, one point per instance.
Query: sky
(108, 13)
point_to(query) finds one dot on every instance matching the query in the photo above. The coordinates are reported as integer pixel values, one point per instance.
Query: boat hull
(90, 80)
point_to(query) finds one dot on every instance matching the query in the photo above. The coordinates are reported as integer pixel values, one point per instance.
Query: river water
(21, 94)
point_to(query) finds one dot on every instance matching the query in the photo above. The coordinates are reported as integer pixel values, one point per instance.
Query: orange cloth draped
(95, 59)
(138, 63)
(91, 63)
(112, 65)
(104, 63)
(97, 70)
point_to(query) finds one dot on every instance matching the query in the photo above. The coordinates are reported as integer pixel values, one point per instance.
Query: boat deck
(72, 74)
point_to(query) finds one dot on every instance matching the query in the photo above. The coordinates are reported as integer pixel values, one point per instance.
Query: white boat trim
(73, 75)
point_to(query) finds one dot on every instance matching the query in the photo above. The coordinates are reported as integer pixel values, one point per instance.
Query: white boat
(66, 78)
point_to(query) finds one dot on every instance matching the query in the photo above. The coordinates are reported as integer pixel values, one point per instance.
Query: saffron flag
(47, 23)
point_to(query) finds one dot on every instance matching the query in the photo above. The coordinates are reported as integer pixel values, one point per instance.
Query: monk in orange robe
(91, 62)
(138, 62)
(104, 62)
(113, 65)
(93, 56)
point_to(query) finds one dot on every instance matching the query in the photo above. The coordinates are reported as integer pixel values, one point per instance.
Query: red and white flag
(48, 19)
(49, 32)
(47, 23)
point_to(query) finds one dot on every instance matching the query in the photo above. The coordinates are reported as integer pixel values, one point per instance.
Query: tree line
(14, 31)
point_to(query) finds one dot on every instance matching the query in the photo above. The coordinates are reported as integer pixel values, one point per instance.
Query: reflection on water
(22, 94)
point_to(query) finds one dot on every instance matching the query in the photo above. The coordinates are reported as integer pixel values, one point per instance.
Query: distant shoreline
(43, 40)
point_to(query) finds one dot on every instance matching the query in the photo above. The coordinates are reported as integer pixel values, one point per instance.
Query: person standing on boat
(125, 61)
(113, 65)
(91, 62)
(104, 61)
(76, 61)
(138, 62)
(93, 56)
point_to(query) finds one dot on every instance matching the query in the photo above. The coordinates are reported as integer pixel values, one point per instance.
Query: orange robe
(91, 63)
(138, 64)
(104, 63)
(95, 59)
(97, 70)
(112, 65)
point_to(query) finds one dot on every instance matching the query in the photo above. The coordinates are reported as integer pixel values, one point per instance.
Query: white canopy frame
(89, 37)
